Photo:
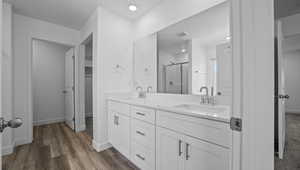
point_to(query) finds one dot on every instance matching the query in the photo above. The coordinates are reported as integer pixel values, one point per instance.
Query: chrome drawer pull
(187, 156)
(140, 133)
(141, 114)
(116, 120)
(139, 156)
(180, 149)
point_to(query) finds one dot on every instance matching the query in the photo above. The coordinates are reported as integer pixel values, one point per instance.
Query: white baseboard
(100, 147)
(6, 150)
(45, 122)
(293, 110)
(80, 128)
(22, 142)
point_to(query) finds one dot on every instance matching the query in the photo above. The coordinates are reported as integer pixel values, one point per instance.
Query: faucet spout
(204, 88)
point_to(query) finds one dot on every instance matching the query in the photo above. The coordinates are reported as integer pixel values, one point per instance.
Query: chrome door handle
(281, 96)
(15, 123)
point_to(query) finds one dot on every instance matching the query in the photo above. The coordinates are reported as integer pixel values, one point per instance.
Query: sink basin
(201, 108)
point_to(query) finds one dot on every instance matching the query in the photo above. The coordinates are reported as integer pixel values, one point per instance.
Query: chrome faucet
(142, 93)
(206, 99)
(204, 88)
(149, 89)
(139, 88)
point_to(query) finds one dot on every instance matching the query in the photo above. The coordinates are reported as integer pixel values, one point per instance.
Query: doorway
(287, 92)
(52, 83)
(88, 84)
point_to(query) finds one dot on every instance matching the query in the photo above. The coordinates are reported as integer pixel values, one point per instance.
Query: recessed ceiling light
(132, 7)
(183, 50)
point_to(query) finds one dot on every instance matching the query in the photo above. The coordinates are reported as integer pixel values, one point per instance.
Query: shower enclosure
(175, 78)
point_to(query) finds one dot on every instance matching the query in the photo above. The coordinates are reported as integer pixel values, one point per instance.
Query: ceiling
(74, 13)
(209, 27)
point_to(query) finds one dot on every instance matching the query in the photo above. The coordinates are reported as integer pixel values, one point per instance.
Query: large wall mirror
(192, 54)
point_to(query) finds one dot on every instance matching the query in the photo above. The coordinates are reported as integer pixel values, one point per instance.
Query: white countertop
(212, 112)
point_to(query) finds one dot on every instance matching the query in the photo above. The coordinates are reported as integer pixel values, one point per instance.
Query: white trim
(257, 52)
(101, 147)
(9, 149)
(49, 121)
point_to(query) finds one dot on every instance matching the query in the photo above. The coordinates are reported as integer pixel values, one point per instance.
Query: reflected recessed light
(132, 7)
(228, 38)
(183, 50)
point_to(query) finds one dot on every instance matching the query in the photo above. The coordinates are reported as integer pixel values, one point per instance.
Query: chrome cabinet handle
(141, 157)
(141, 114)
(140, 133)
(187, 156)
(116, 120)
(179, 148)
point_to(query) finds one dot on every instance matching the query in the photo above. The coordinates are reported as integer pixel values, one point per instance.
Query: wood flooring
(291, 159)
(57, 147)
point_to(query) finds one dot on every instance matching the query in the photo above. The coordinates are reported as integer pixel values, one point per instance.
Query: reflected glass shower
(175, 78)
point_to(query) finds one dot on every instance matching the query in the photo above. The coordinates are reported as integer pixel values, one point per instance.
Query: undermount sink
(201, 108)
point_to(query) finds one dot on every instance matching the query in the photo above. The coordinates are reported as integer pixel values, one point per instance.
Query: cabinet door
(169, 150)
(119, 132)
(200, 155)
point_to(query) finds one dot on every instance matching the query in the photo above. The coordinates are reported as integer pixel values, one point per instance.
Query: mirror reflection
(194, 55)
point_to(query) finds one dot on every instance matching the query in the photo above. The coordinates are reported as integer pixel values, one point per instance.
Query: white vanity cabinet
(119, 127)
(143, 137)
(160, 140)
(190, 143)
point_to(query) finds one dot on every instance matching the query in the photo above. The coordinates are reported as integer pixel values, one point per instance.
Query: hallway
(292, 150)
(57, 147)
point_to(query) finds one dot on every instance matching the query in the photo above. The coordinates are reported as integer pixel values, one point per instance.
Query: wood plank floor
(291, 159)
(57, 147)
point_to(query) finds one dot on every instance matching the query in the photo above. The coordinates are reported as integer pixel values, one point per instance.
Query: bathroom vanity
(170, 134)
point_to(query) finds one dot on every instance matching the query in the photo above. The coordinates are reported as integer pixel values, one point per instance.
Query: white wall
(24, 29)
(292, 79)
(169, 12)
(6, 70)
(48, 75)
(115, 48)
(145, 61)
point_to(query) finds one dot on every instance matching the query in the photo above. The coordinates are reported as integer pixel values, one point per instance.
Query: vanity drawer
(143, 133)
(143, 114)
(142, 157)
(203, 129)
(120, 108)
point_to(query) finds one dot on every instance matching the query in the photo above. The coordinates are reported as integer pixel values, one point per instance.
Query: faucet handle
(149, 88)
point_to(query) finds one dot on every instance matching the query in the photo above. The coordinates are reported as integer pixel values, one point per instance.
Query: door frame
(253, 95)
(1, 6)
(30, 82)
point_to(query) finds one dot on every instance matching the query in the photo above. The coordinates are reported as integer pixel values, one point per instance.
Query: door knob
(283, 96)
(15, 123)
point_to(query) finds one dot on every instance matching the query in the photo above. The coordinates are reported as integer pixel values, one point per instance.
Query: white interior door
(70, 89)
(281, 93)
(224, 73)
